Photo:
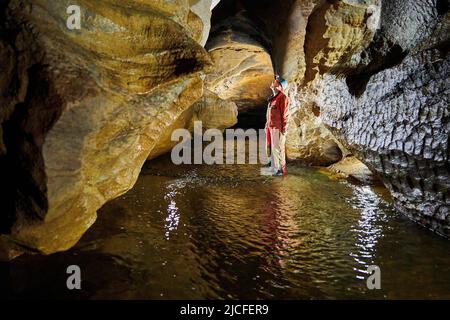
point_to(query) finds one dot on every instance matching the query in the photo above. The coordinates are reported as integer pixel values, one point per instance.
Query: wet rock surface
(400, 128)
(308, 139)
(387, 103)
(85, 108)
(331, 31)
(354, 170)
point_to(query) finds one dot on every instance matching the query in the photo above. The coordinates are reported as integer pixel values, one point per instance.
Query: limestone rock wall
(308, 140)
(327, 31)
(83, 109)
(289, 39)
(243, 68)
(387, 99)
(400, 128)
(375, 84)
(213, 112)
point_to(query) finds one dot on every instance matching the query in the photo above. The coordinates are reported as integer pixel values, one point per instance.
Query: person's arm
(284, 114)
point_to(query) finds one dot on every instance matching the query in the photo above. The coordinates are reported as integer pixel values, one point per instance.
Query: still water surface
(194, 232)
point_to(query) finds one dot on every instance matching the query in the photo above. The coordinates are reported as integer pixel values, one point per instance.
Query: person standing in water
(277, 118)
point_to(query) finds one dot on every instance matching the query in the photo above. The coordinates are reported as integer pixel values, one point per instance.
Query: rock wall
(308, 140)
(320, 34)
(243, 68)
(83, 109)
(387, 100)
(372, 80)
(400, 128)
(213, 112)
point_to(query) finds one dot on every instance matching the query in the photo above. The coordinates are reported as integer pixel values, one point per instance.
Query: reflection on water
(193, 232)
(369, 227)
(173, 216)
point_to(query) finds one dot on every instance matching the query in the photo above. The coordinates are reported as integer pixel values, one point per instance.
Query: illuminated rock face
(243, 68)
(371, 77)
(85, 108)
(386, 100)
(354, 170)
(400, 128)
(213, 112)
(308, 139)
(331, 31)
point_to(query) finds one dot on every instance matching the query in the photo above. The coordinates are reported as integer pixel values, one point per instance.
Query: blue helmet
(284, 84)
(282, 81)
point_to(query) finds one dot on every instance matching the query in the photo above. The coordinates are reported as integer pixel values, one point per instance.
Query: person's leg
(283, 153)
(268, 148)
(276, 152)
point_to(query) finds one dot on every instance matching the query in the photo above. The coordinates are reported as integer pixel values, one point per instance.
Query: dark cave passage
(254, 118)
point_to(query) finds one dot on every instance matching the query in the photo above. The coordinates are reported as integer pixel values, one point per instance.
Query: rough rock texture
(213, 112)
(289, 39)
(281, 29)
(242, 65)
(400, 127)
(332, 30)
(388, 103)
(83, 109)
(376, 77)
(335, 30)
(354, 170)
(308, 140)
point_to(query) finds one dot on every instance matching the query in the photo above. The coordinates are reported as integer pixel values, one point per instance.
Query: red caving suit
(277, 117)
